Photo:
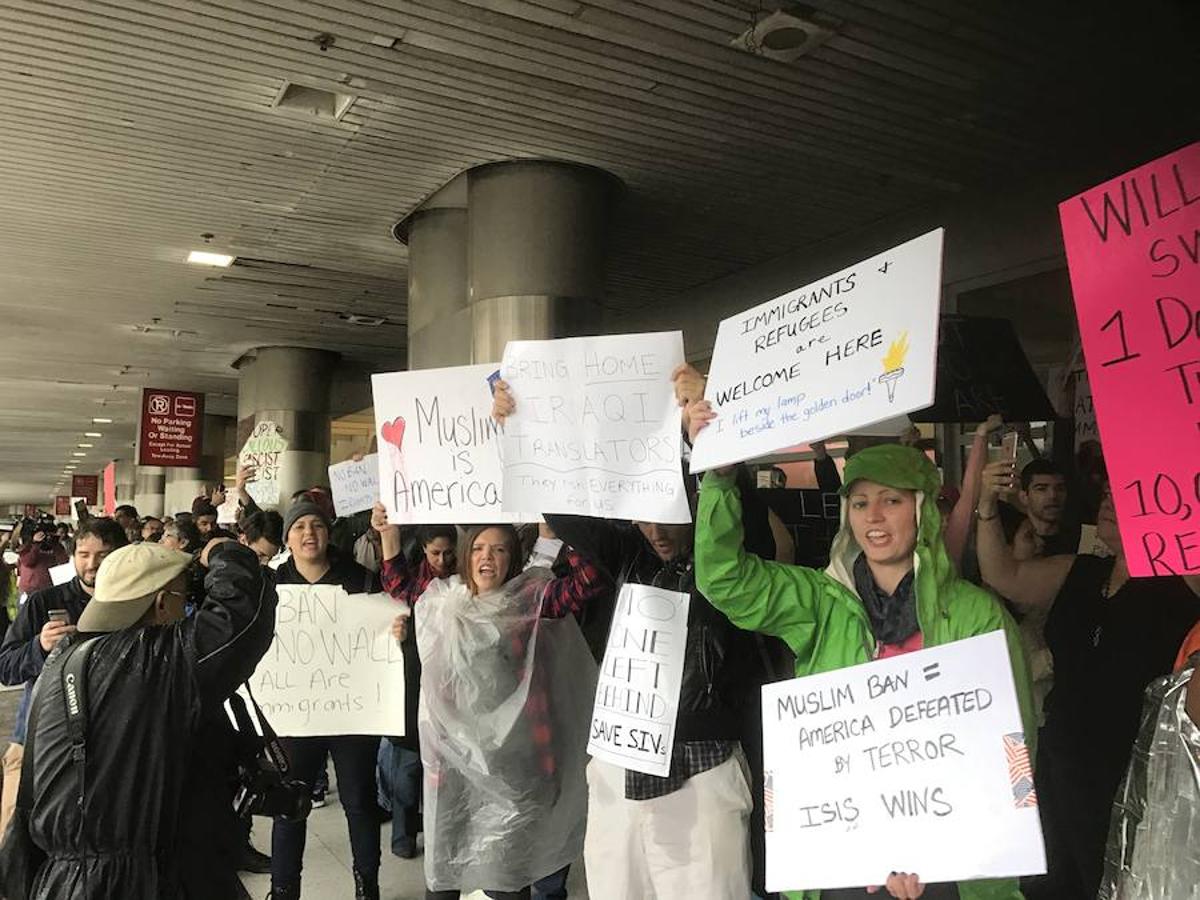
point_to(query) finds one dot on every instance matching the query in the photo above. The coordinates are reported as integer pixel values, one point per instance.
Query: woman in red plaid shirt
(506, 693)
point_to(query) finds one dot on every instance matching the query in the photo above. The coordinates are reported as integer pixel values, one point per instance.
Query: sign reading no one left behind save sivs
(850, 350)
(916, 763)
(637, 696)
(1133, 247)
(172, 427)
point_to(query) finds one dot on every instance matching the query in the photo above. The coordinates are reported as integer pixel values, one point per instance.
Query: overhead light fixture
(205, 258)
(92, 434)
(77, 453)
(87, 446)
(782, 35)
(99, 421)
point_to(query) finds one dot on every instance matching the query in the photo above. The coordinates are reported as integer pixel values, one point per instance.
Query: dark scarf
(893, 616)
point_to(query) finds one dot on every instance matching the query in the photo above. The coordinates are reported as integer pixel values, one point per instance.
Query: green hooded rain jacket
(820, 615)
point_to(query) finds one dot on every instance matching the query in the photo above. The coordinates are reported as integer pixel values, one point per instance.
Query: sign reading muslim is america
(438, 455)
(915, 763)
(1133, 249)
(850, 350)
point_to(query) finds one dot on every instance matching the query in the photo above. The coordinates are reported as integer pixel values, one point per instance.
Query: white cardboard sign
(355, 484)
(916, 763)
(637, 696)
(438, 456)
(264, 451)
(63, 573)
(850, 350)
(596, 428)
(334, 667)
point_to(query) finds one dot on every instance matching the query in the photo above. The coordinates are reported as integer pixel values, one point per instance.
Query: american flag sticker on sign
(1020, 772)
(769, 800)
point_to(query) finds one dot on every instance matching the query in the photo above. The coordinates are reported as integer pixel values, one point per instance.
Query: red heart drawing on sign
(393, 432)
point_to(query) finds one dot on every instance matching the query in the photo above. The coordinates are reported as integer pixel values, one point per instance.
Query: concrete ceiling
(131, 128)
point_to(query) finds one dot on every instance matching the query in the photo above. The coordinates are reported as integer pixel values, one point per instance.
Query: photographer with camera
(40, 550)
(119, 798)
(45, 619)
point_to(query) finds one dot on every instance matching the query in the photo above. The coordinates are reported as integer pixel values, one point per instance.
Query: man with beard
(46, 618)
(1044, 531)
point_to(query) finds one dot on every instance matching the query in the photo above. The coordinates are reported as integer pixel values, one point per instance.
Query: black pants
(1076, 804)
(354, 763)
(495, 895)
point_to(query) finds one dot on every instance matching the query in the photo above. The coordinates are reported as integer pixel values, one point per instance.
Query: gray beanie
(298, 510)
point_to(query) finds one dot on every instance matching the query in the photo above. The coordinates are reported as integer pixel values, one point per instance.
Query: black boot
(284, 892)
(366, 886)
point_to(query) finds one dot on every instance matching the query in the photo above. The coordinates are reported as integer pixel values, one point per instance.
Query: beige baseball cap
(127, 583)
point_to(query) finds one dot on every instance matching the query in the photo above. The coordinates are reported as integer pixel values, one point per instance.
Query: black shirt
(1105, 654)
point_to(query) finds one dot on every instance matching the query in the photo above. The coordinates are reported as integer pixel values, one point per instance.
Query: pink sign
(1133, 245)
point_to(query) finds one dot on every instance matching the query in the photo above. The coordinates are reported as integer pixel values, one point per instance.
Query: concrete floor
(327, 865)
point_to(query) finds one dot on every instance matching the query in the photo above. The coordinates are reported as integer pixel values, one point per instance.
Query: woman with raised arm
(890, 588)
(507, 685)
(1109, 636)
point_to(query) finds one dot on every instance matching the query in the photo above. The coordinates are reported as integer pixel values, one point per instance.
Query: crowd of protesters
(501, 633)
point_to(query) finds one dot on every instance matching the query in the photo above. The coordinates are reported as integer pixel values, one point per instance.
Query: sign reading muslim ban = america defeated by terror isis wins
(439, 461)
(1133, 248)
(596, 427)
(637, 695)
(850, 350)
(917, 763)
(333, 667)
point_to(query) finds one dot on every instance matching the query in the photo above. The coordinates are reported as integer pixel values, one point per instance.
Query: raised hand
(997, 478)
(503, 404)
(698, 414)
(902, 886)
(993, 423)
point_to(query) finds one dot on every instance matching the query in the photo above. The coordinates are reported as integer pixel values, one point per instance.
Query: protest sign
(354, 484)
(264, 450)
(916, 763)
(333, 667)
(637, 696)
(982, 369)
(849, 350)
(1084, 411)
(62, 574)
(596, 428)
(1133, 248)
(171, 428)
(438, 457)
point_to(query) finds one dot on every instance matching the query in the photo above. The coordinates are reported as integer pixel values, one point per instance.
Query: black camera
(265, 791)
(264, 788)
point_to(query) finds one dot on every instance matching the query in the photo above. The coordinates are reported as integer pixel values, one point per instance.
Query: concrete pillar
(290, 387)
(149, 490)
(536, 240)
(126, 477)
(439, 317)
(183, 485)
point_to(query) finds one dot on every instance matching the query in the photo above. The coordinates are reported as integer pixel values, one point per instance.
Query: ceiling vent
(783, 36)
(311, 102)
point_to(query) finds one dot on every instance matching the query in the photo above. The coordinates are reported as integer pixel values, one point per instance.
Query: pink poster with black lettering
(1133, 246)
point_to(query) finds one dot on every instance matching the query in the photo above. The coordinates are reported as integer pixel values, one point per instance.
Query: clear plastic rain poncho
(1153, 848)
(506, 698)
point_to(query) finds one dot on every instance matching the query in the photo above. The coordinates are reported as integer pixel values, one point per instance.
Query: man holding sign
(890, 589)
(668, 787)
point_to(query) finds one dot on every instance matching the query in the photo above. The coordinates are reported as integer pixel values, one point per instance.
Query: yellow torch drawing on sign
(893, 364)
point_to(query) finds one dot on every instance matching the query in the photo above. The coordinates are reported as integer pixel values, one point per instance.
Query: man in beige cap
(147, 815)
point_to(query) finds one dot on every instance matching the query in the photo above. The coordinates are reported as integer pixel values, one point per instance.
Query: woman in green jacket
(890, 588)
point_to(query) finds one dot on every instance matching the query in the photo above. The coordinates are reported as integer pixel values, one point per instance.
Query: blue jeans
(400, 792)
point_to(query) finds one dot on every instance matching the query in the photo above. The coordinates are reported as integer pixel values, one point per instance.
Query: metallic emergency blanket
(506, 698)
(1153, 848)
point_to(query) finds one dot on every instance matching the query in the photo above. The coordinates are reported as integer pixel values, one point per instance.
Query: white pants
(693, 844)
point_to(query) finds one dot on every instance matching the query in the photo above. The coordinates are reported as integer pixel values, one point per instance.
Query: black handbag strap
(270, 740)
